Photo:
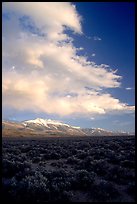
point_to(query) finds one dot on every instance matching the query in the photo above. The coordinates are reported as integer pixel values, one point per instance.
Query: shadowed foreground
(69, 169)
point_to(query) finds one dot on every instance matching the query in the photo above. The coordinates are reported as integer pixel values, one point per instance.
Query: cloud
(93, 55)
(92, 118)
(88, 37)
(49, 75)
(97, 38)
(93, 37)
(128, 88)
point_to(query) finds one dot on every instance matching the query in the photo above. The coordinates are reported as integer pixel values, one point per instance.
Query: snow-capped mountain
(103, 132)
(41, 126)
(47, 127)
(47, 123)
(52, 126)
(97, 132)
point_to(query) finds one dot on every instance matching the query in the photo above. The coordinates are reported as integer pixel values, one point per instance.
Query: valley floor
(74, 169)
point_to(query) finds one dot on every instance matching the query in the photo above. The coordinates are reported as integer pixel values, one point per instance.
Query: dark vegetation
(90, 169)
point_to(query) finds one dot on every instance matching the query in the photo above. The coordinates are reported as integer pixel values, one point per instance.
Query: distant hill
(41, 127)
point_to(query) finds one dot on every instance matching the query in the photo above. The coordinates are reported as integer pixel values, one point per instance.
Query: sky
(72, 62)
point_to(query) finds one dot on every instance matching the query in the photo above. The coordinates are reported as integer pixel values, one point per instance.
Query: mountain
(97, 132)
(41, 127)
(49, 124)
(102, 132)
(52, 126)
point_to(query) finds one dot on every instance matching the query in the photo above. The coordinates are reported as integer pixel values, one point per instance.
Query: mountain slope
(41, 127)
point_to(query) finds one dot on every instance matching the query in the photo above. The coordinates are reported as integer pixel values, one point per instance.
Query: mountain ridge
(47, 127)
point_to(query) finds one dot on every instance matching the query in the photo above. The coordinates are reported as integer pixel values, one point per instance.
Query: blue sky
(36, 83)
(114, 23)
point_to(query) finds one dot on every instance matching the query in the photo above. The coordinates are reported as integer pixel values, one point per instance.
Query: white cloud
(93, 55)
(50, 17)
(128, 88)
(97, 38)
(49, 75)
(92, 118)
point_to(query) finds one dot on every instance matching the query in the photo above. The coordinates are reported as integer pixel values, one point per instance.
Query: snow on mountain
(48, 127)
(97, 132)
(47, 122)
(52, 127)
